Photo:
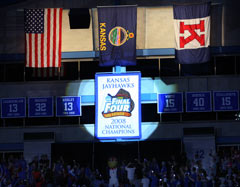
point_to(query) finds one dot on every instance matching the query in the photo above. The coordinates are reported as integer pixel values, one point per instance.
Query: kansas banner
(118, 105)
(192, 33)
(117, 35)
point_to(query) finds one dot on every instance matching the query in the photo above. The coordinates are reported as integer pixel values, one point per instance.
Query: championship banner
(192, 33)
(118, 105)
(117, 35)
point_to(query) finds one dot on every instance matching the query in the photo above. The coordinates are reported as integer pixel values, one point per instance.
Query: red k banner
(192, 33)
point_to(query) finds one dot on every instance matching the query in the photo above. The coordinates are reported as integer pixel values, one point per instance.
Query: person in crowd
(154, 179)
(113, 172)
(113, 179)
(15, 171)
(138, 172)
(130, 168)
(145, 181)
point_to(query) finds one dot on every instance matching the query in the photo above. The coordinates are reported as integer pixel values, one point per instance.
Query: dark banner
(192, 33)
(117, 35)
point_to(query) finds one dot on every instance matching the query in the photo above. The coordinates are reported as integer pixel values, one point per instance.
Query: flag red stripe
(36, 50)
(54, 37)
(60, 38)
(26, 51)
(48, 36)
(42, 50)
(30, 50)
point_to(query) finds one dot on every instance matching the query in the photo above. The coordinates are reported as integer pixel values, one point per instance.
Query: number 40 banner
(68, 106)
(198, 102)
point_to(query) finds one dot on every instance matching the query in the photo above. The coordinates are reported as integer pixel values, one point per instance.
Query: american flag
(43, 33)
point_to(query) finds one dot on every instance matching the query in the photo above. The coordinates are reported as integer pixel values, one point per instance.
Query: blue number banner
(68, 106)
(170, 103)
(40, 107)
(13, 107)
(198, 102)
(226, 100)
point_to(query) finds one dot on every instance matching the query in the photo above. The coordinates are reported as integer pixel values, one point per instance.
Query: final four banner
(117, 35)
(192, 33)
(118, 105)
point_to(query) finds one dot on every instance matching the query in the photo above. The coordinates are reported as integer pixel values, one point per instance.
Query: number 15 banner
(226, 100)
(68, 106)
(170, 103)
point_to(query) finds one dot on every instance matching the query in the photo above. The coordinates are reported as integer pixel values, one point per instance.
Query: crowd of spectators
(223, 171)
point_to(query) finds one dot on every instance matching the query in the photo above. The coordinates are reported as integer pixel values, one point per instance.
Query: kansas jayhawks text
(118, 83)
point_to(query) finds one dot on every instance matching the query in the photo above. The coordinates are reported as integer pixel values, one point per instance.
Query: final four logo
(119, 105)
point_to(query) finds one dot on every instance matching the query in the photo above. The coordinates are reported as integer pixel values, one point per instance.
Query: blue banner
(226, 101)
(40, 107)
(192, 33)
(68, 106)
(198, 102)
(170, 103)
(13, 107)
(117, 35)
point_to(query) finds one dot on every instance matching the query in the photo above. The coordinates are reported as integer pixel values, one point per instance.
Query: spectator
(145, 181)
(130, 168)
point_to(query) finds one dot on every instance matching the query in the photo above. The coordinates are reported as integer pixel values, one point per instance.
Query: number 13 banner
(13, 107)
(68, 106)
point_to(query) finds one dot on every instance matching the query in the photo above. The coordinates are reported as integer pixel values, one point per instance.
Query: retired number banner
(118, 105)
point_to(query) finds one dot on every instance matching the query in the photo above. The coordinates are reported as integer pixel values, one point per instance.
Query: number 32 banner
(40, 107)
(118, 105)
